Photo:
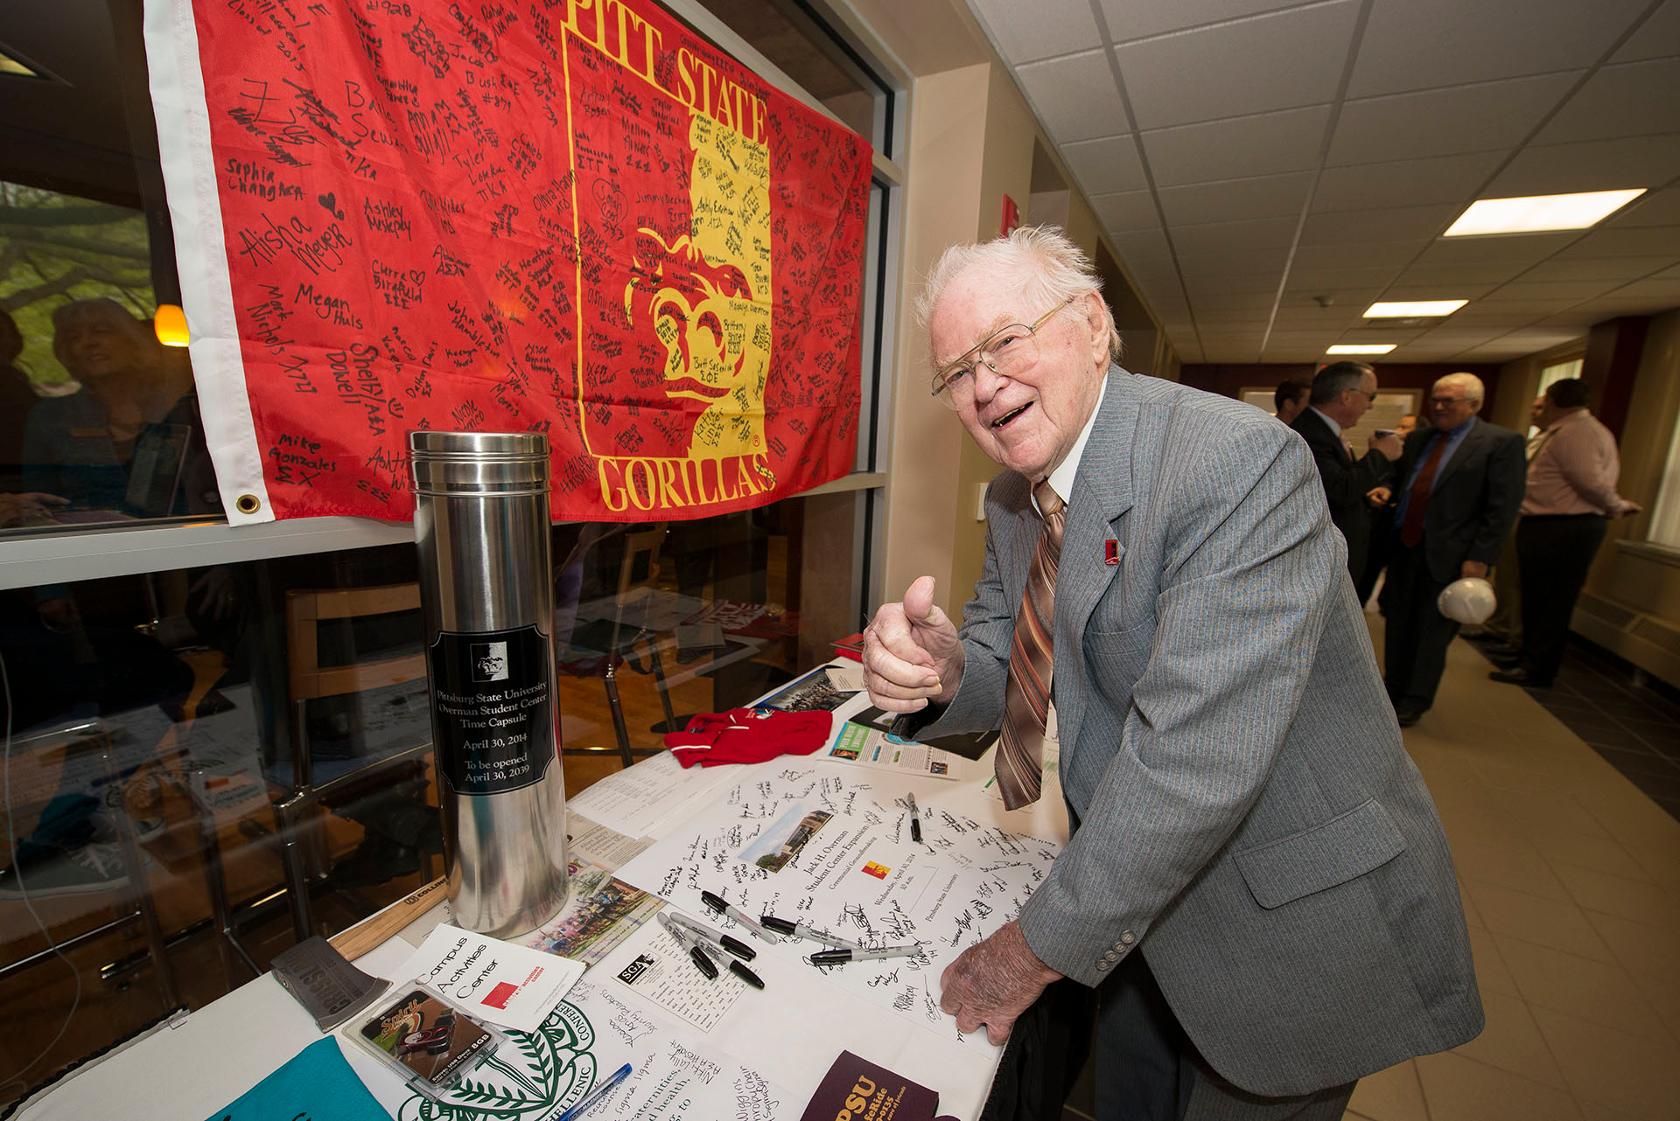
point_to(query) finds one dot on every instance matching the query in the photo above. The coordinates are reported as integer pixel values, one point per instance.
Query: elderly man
(1567, 506)
(1461, 484)
(1257, 885)
(1342, 393)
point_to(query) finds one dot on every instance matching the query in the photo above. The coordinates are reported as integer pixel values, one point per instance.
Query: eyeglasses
(1006, 352)
(1446, 402)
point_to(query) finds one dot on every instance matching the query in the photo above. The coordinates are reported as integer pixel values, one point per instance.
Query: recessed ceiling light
(1535, 213)
(1362, 348)
(1407, 309)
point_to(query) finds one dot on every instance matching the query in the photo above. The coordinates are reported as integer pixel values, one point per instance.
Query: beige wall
(947, 135)
(970, 141)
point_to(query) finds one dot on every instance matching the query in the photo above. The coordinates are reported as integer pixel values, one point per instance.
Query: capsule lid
(479, 463)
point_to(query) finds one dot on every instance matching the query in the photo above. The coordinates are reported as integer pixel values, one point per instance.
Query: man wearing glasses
(1461, 484)
(1257, 885)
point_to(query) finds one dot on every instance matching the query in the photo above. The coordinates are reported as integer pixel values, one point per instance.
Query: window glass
(791, 34)
(172, 734)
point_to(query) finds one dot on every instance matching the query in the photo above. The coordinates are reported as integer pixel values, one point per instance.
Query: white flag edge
(189, 180)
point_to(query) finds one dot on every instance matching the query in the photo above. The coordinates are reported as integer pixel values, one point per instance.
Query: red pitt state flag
(569, 216)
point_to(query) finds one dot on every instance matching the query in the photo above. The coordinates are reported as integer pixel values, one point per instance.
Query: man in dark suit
(1341, 394)
(1257, 887)
(1289, 399)
(1461, 483)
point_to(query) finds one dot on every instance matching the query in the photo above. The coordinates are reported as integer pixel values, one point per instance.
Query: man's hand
(29, 507)
(1388, 445)
(993, 982)
(1378, 496)
(911, 654)
(1628, 509)
(1475, 569)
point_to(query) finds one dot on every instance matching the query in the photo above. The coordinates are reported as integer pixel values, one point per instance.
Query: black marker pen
(841, 957)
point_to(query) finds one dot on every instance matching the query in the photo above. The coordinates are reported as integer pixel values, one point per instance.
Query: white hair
(1472, 385)
(1055, 270)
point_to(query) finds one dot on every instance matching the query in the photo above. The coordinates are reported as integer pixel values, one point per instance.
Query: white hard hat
(1470, 601)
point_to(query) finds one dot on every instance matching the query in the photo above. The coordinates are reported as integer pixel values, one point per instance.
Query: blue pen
(596, 1094)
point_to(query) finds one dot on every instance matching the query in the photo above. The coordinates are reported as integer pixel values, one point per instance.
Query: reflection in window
(99, 421)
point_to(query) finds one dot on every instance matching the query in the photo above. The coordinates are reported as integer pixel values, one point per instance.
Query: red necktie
(1411, 530)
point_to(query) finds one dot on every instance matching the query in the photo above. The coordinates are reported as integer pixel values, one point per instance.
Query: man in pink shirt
(1569, 501)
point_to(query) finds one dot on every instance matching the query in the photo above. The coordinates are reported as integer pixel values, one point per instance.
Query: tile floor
(1633, 725)
(1570, 874)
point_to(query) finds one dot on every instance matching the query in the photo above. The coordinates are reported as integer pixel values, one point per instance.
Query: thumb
(918, 600)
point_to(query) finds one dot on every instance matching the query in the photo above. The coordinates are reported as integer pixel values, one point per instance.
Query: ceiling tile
(1631, 161)
(1128, 210)
(1631, 99)
(1493, 316)
(1524, 249)
(1627, 242)
(1040, 30)
(1466, 272)
(1574, 318)
(1259, 302)
(1217, 237)
(1659, 36)
(1266, 63)
(1533, 307)
(1265, 196)
(1146, 243)
(1404, 182)
(1658, 208)
(1572, 290)
(1586, 268)
(1234, 149)
(1255, 282)
(1423, 44)
(1444, 122)
(1234, 262)
(1134, 19)
(1075, 96)
(1105, 166)
(1349, 274)
(1393, 254)
(1400, 223)
(1656, 289)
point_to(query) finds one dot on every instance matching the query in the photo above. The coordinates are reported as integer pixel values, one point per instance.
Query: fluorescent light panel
(1535, 213)
(1362, 348)
(1413, 309)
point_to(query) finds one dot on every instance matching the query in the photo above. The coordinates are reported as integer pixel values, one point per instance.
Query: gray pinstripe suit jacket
(1247, 813)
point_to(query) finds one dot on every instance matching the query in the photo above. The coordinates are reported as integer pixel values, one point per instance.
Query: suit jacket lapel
(1460, 454)
(1102, 493)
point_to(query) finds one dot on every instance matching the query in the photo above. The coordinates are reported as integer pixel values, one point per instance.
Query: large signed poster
(572, 216)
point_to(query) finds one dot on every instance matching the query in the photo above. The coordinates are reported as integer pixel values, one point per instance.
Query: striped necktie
(1026, 697)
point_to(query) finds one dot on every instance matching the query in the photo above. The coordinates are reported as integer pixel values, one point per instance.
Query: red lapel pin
(1111, 551)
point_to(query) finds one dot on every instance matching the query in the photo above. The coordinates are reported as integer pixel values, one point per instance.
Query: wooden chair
(315, 785)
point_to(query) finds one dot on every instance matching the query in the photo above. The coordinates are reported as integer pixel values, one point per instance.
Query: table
(785, 1037)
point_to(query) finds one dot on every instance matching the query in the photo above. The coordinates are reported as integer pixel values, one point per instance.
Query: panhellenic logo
(489, 661)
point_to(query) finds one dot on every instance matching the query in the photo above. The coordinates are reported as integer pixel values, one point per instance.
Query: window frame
(30, 558)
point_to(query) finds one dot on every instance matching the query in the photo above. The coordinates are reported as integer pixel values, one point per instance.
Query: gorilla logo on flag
(704, 293)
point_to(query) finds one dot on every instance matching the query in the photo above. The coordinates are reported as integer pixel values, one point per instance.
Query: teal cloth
(316, 1083)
